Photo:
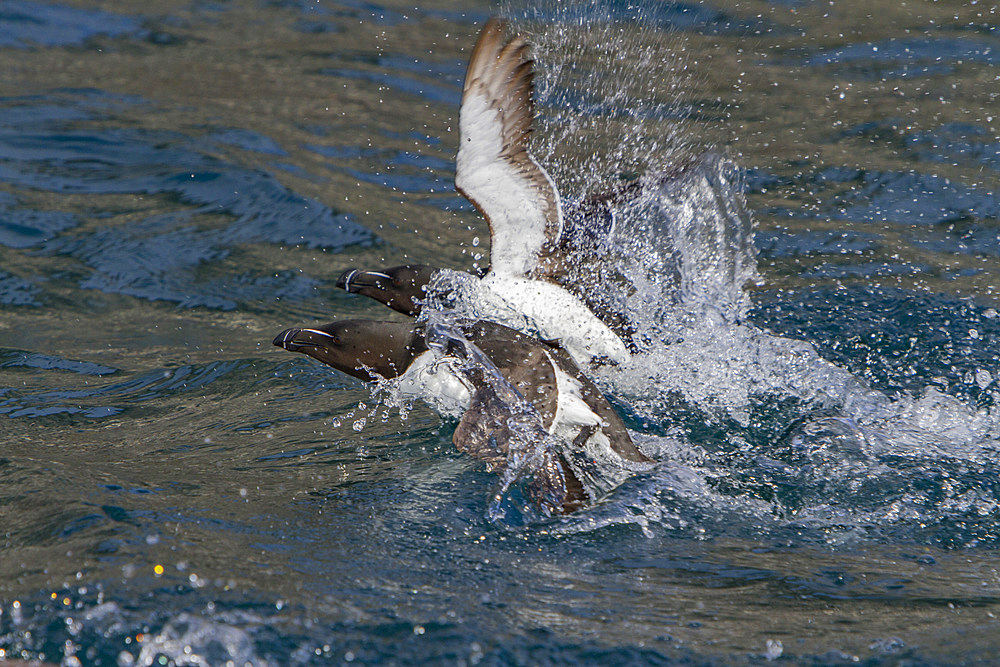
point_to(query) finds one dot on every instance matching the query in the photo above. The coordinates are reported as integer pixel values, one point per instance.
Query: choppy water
(179, 183)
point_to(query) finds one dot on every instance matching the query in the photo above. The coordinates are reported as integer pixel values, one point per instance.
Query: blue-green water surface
(179, 181)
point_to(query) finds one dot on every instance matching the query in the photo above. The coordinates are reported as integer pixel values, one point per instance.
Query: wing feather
(494, 169)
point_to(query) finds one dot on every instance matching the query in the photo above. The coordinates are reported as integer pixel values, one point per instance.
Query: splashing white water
(610, 92)
(196, 641)
(798, 441)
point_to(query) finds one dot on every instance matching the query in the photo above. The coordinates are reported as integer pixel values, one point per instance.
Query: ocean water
(816, 285)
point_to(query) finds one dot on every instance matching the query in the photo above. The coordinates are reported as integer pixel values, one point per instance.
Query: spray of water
(510, 434)
(752, 429)
(609, 89)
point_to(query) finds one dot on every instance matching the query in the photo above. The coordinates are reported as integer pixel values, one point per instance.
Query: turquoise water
(181, 182)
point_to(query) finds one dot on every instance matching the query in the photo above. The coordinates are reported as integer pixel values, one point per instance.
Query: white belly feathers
(556, 315)
(533, 307)
(433, 379)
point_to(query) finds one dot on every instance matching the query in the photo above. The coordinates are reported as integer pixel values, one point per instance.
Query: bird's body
(595, 449)
(508, 364)
(545, 310)
(529, 251)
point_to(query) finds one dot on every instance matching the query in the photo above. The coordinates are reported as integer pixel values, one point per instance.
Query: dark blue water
(180, 182)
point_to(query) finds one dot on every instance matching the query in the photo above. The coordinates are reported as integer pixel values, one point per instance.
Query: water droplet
(983, 378)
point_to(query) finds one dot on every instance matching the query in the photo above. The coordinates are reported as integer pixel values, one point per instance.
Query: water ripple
(41, 24)
(908, 57)
(162, 256)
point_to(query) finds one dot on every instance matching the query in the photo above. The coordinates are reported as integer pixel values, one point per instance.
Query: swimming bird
(454, 368)
(532, 242)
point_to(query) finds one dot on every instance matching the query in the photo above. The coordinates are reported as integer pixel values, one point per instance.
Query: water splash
(191, 640)
(759, 430)
(610, 92)
(763, 431)
(756, 432)
(507, 431)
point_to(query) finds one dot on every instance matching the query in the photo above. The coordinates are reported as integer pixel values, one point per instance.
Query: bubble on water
(887, 646)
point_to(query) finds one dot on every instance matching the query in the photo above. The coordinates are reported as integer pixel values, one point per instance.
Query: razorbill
(594, 450)
(532, 244)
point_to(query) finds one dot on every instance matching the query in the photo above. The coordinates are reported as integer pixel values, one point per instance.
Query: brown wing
(494, 169)
(614, 427)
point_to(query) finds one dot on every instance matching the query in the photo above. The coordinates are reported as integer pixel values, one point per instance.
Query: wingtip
(495, 24)
(488, 47)
(494, 28)
(501, 70)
